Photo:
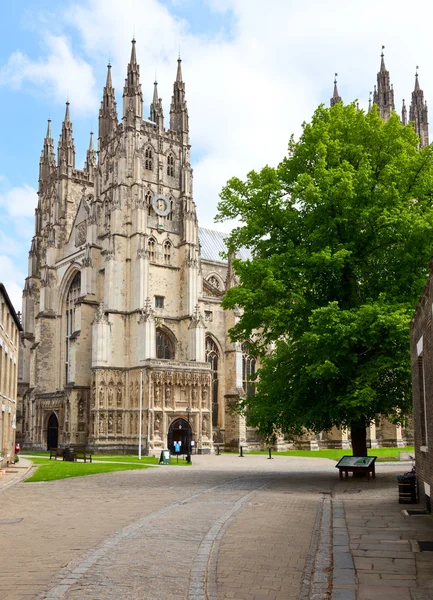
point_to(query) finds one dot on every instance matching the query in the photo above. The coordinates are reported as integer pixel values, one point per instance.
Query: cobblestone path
(225, 528)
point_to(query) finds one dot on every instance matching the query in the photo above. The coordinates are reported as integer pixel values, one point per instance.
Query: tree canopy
(341, 234)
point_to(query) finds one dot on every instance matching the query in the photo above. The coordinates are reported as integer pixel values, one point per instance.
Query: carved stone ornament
(81, 233)
(147, 313)
(100, 316)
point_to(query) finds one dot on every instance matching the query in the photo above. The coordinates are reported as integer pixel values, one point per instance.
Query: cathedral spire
(90, 157)
(132, 94)
(47, 163)
(178, 108)
(404, 113)
(156, 113)
(336, 97)
(384, 95)
(418, 113)
(108, 110)
(66, 148)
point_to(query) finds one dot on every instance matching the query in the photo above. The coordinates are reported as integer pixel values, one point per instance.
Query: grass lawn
(58, 469)
(382, 453)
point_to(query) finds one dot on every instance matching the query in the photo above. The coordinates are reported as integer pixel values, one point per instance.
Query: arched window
(167, 253)
(148, 202)
(248, 370)
(170, 214)
(71, 299)
(151, 249)
(214, 281)
(148, 159)
(212, 357)
(170, 165)
(164, 345)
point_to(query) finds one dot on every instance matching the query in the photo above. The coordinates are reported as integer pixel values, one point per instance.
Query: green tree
(341, 236)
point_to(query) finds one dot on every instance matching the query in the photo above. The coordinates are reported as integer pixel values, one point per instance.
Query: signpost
(357, 464)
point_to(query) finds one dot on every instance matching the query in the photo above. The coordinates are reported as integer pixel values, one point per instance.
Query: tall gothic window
(212, 357)
(71, 299)
(248, 370)
(151, 249)
(170, 165)
(164, 345)
(148, 201)
(148, 159)
(167, 253)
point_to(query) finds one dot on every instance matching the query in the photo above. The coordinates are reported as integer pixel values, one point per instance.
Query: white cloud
(19, 201)
(13, 280)
(59, 74)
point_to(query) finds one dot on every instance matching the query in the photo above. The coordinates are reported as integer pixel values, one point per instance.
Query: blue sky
(253, 71)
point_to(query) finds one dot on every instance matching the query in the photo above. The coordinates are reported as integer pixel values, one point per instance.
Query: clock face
(161, 205)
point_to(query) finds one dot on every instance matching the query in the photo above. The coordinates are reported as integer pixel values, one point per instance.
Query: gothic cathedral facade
(124, 335)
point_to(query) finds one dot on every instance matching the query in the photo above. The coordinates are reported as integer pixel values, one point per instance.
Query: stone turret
(156, 112)
(66, 147)
(335, 97)
(384, 93)
(47, 164)
(404, 113)
(108, 111)
(178, 108)
(418, 113)
(132, 94)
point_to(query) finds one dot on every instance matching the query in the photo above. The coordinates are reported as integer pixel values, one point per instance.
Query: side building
(422, 390)
(10, 328)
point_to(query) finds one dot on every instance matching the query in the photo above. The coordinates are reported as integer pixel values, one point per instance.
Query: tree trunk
(359, 439)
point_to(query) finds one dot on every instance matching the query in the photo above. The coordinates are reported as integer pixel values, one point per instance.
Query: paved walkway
(226, 528)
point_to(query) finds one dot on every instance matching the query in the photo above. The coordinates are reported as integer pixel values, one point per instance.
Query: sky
(254, 71)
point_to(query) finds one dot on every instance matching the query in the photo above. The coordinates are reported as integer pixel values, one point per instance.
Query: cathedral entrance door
(179, 431)
(52, 432)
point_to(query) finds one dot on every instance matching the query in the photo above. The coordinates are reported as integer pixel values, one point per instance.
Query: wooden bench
(357, 464)
(57, 453)
(81, 452)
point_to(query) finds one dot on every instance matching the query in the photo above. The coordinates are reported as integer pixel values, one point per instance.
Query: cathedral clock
(161, 205)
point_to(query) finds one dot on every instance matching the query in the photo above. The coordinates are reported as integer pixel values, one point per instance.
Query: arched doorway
(52, 432)
(179, 431)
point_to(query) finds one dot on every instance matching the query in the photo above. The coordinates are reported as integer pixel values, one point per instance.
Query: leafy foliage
(341, 234)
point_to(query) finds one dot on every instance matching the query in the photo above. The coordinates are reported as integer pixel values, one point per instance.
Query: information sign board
(165, 459)
(356, 461)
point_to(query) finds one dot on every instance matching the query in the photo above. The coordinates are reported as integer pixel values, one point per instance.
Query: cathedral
(124, 336)
(125, 341)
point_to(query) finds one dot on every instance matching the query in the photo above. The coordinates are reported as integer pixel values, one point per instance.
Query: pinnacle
(179, 70)
(109, 82)
(133, 60)
(48, 136)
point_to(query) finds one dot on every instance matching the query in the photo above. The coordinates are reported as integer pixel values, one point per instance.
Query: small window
(151, 249)
(159, 301)
(148, 201)
(208, 315)
(170, 165)
(167, 253)
(148, 159)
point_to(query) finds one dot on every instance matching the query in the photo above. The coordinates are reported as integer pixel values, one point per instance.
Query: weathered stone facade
(123, 296)
(422, 389)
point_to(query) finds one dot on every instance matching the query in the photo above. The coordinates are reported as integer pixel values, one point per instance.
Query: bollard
(241, 450)
(270, 455)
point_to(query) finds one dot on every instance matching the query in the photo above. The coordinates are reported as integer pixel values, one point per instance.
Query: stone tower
(123, 297)
(335, 96)
(384, 93)
(418, 113)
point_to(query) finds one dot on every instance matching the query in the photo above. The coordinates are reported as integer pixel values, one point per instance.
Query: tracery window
(164, 345)
(148, 159)
(214, 281)
(248, 370)
(71, 299)
(151, 249)
(167, 253)
(212, 357)
(170, 165)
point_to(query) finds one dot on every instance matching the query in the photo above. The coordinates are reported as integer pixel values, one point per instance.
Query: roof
(212, 244)
(10, 306)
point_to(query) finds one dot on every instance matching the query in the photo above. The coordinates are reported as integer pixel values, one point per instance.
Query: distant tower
(384, 94)
(335, 97)
(404, 113)
(418, 113)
